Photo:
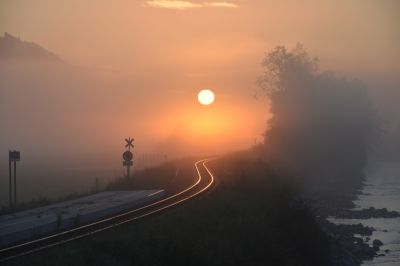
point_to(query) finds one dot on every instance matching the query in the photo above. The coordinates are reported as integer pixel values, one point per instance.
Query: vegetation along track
(203, 183)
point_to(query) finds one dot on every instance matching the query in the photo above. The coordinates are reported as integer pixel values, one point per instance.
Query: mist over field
(79, 113)
(200, 132)
(70, 122)
(73, 119)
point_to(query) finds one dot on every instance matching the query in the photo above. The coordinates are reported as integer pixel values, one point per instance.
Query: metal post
(128, 166)
(15, 183)
(10, 183)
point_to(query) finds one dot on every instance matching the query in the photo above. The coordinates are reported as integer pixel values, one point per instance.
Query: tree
(322, 125)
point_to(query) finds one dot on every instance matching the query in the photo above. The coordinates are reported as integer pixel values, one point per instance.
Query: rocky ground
(350, 242)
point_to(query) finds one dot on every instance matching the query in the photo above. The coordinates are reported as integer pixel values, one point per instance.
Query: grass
(171, 177)
(251, 218)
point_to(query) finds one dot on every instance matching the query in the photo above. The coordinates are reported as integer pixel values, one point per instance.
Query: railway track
(204, 182)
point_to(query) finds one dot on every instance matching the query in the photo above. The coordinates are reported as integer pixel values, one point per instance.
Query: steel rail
(96, 227)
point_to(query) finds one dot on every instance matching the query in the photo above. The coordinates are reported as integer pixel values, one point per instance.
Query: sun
(206, 97)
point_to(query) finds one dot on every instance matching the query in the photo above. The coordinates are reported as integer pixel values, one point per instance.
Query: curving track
(203, 183)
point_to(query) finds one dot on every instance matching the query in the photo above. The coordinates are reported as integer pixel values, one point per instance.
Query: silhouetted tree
(322, 125)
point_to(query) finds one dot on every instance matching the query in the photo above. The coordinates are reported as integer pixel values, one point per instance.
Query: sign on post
(127, 163)
(127, 155)
(13, 156)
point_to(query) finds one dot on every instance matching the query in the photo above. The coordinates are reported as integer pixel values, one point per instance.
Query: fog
(323, 126)
(65, 111)
(70, 122)
(79, 78)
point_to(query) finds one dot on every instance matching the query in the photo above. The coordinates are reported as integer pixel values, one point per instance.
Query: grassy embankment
(251, 218)
(170, 176)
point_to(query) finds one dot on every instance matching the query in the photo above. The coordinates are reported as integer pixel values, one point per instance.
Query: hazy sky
(160, 53)
(206, 38)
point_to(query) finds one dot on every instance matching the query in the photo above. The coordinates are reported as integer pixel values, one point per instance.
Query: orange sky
(135, 36)
(163, 52)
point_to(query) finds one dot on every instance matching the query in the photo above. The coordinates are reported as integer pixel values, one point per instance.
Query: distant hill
(13, 48)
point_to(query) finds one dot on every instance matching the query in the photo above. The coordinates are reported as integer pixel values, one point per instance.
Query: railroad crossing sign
(129, 142)
(127, 155)
(127, 163)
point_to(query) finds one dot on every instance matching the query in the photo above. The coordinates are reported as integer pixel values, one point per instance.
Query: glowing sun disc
(206, 97)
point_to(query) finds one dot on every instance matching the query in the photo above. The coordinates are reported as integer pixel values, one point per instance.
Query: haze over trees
(13, 48)
(322, 126)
